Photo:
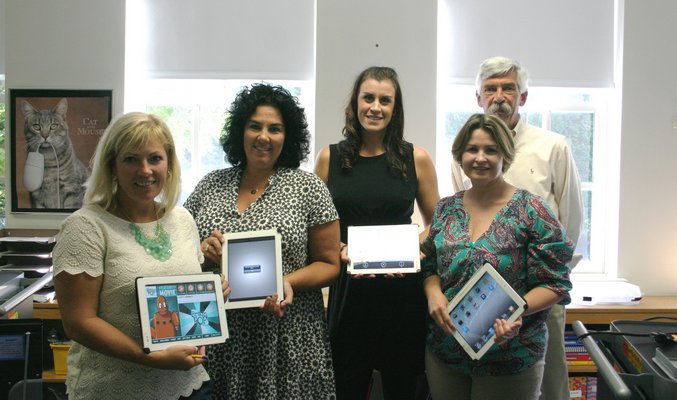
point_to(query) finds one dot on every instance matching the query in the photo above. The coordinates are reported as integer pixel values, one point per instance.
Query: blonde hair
(131, 131)
(491, 124)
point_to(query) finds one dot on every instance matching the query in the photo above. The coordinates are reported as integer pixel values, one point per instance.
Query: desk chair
(25, 390)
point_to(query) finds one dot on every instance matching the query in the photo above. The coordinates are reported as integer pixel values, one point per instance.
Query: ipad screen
(183, 310)
(482, 302)
(252, 268)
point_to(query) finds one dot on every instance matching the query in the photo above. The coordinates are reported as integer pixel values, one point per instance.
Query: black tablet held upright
(473, 311)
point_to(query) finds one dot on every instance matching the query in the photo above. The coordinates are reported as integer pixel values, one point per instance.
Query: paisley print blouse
(527, 245)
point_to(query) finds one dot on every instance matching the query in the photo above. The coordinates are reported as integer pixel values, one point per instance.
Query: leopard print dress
(266, 357)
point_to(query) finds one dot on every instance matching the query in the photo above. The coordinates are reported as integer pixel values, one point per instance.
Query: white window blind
(256, 39)
(561, 43)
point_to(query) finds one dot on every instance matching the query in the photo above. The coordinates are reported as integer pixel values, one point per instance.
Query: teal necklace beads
(160, 247)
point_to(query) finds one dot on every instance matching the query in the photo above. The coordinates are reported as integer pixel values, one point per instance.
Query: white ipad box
(252, 264)
(383, 249)
(474, 310)
(181, 309)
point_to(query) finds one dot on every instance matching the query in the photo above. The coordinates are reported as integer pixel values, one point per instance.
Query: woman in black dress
(375, 177)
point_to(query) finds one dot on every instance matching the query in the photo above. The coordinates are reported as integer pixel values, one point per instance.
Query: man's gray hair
(499, 66)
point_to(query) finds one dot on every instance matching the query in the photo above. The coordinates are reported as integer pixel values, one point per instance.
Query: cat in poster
(54, 176)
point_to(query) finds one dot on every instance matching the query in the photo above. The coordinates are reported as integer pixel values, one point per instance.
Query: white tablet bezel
(465, 297)
(232, 302)
(150, 344)
(374, 245)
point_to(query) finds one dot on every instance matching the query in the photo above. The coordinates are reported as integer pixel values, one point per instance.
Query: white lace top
(96, 242)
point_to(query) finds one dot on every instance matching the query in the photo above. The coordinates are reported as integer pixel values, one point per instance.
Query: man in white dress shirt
(544, 166)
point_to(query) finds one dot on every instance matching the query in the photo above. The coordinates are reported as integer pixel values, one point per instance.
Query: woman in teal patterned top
(515, 232)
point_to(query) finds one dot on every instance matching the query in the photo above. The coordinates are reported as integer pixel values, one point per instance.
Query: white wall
(64, 44)
(80, 44)
(355, 34)
(647, 254)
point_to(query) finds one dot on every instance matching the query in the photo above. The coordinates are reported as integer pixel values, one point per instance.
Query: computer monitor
(20, 352)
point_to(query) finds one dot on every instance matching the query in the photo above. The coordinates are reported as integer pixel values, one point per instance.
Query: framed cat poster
(53, 137)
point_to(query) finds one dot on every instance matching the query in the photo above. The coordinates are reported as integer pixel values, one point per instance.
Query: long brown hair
(398, 151)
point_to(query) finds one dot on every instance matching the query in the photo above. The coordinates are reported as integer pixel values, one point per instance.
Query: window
(195, 111)
(578, 114)
(187, 63)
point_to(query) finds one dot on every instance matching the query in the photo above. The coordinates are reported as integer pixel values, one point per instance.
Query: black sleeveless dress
(376, 323)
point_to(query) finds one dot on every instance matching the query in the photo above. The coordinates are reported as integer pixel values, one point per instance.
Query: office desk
(603, 314)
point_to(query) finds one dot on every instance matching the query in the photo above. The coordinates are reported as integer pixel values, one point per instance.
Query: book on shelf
(578, 357)
(578, 387)
(591, 388)
(580, 362)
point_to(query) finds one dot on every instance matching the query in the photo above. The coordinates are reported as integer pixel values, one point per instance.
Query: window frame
(461, 98)
(196, 93)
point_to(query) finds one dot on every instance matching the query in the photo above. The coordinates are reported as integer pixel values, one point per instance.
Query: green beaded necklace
(160, 247)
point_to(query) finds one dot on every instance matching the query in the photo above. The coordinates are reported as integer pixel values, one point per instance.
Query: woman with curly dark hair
(281, 350)
(375, 176)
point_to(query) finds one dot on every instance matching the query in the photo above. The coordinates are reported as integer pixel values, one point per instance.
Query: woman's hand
(505, 331)
(278, 309)
(212, 247)
(226, 288)
(437, 308)
(177, 357)
(343, 252)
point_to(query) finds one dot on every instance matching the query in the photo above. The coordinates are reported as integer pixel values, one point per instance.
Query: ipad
(252, 264)
(383, 249)
(473, 311)
(181, 309)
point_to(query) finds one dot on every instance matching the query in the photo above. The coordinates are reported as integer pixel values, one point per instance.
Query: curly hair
(398, 151)
(296, 139)
(494, 126)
